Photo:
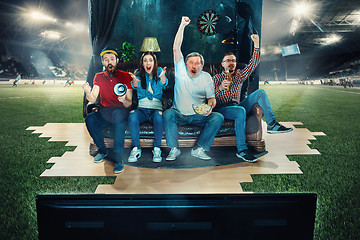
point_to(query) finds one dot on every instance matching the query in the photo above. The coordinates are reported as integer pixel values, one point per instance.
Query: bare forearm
(91, 93)
(127, 103)
(178, 42)
(163, 80)
(90, 98)
(128, 99)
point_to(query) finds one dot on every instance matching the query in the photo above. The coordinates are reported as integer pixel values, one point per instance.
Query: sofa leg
(257, 145)
(93, 149)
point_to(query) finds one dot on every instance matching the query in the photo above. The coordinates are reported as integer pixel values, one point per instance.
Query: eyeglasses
(230, 60)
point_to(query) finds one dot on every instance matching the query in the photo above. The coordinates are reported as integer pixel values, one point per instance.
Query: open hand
(163, 72)
(135, 80)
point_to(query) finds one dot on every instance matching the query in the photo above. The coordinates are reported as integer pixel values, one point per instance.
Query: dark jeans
(141, 115)
(116, 117)
(238, 112)
(211, 124)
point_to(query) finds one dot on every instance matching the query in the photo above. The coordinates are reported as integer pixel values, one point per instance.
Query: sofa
(187, 133)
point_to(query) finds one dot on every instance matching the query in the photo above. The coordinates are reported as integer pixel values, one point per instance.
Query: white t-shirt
(189, 90)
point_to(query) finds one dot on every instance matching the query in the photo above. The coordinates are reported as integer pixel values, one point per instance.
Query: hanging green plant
(127, 52)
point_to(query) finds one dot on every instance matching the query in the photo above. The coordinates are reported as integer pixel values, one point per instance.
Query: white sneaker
(200, 153)
(173, 154)
(157, 155)
(135, 154)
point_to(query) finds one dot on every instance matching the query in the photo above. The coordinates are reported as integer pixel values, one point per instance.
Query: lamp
(150, 44)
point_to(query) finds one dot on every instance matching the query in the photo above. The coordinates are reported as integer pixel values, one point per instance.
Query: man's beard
(110, 69)
(231, 68)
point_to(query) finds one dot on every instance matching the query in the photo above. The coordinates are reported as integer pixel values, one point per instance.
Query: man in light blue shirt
(192, 86)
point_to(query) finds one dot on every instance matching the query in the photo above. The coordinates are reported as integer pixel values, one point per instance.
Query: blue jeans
(116, 117)
(239, 111)
(211, 124)
(141, 115)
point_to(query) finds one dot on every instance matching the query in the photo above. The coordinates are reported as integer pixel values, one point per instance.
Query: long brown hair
(142, 69)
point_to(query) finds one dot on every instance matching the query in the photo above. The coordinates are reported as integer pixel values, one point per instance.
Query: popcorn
(202, 108)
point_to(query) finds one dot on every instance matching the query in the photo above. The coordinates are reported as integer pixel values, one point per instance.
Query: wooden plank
(218, 179)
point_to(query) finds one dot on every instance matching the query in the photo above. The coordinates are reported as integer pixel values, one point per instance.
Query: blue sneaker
(118, 167)
(246, 156)
(278, 128)
(173, 154)
(100, 157)
(134, 155)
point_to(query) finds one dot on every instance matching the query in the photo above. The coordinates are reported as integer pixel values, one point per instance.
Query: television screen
(290, 50)
(176, 216)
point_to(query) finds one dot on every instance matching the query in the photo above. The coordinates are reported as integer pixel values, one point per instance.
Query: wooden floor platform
(209, 180)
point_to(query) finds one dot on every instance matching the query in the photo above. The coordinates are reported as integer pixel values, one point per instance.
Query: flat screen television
(176, 216)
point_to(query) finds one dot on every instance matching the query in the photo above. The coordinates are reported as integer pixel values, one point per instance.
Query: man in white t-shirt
(192, 86)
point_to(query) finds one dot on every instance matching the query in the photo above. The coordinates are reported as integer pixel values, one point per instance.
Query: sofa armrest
(92, 107)
(253, 129)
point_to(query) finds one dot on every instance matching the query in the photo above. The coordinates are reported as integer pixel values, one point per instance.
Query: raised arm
(162, 76)
(255, 38)
(254, 61)
(179, 39)
(91, 94)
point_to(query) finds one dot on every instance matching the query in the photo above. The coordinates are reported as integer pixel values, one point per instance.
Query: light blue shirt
(189, 90)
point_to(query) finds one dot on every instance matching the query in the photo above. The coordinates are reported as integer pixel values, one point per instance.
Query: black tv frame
(176, 216)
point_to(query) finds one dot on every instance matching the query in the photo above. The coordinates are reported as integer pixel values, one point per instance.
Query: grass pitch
(333, 175)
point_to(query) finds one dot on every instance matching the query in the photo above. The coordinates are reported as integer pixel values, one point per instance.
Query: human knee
(260, 92)
(90, 118)
(168, 114)
(217, 118)
(119, 116)
(240, 113)
(158, 117)
(133, 117)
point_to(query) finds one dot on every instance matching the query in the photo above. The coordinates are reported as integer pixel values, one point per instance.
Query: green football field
(334, 175)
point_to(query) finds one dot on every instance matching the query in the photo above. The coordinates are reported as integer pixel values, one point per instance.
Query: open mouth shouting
(193, 72)
(148, 69)
(110, 68)
(231, 67)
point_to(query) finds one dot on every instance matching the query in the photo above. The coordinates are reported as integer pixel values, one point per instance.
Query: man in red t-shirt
(115, 109)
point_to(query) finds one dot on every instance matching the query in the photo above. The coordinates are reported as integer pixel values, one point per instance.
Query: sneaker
(134, 155)
(200, 153)
(157, 155)
(246, 156)
(278, 128)
(118, 167)
(99, 157)
(173, 154)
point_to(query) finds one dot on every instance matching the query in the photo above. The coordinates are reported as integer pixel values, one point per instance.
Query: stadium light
(333, 38)
(302, 9)
(39, 16)
(295, 23)
(357, 21)
(53, 35)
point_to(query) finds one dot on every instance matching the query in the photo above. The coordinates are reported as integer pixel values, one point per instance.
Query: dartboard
(207, 22)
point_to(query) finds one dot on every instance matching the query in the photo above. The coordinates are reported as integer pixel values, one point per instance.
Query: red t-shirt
(106, 85)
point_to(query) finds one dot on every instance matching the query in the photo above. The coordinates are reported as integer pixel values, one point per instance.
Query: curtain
(102, 19)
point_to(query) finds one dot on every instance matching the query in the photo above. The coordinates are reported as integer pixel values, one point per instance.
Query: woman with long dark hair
(149, 83)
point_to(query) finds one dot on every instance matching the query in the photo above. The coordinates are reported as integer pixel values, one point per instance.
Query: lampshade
(150, 44)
